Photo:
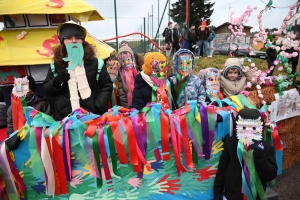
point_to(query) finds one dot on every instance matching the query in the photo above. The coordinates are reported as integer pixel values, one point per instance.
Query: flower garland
(237, 28)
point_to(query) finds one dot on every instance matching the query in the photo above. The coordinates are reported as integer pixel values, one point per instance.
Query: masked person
(118, 95)
(128, 71)
(75, 71)
(185, 85)
(247, 162)
(25, 86)
(151, 85)
(210, 78)
(139, 60)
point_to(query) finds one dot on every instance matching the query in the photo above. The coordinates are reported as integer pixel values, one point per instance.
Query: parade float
(124, 154)
(30, 33)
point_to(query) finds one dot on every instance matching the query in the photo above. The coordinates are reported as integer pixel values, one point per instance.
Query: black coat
(142, 93)
(3, 114)
(229, 174)
(175, 35)
(96, 103)
(271, 54)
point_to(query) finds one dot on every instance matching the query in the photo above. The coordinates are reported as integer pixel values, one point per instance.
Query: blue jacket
(212, 35)
(194, 90)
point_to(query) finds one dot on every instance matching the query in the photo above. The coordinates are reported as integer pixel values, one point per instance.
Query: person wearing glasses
(76, 77)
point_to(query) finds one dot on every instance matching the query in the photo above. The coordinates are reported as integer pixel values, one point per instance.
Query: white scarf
(78, 82)
(147, 78)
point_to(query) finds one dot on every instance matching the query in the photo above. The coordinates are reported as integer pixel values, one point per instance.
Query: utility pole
(144, 34)
(229, 12)
(148, 24)
(169, 11)
(158, 14)
(152, 23)
(116, 25)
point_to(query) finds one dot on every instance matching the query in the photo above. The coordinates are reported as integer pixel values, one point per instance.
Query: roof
(75, 8)
(228, 23)
(36, 47)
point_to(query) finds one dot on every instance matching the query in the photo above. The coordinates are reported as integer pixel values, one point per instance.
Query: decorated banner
(285, 106)
(123, 154)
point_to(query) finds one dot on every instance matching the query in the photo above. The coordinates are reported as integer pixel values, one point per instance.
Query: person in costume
(210, 78)
(234, 77)
(246, 149)
(27, 89)
(151, 85)
(185, 85)
(118, 95)
(139, 60)
(76, 69)
(128, 71)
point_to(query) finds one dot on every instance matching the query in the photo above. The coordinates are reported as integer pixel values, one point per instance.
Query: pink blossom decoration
(280, 68)
(276, 62)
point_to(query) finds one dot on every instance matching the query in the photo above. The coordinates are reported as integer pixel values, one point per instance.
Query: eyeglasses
(71, 38)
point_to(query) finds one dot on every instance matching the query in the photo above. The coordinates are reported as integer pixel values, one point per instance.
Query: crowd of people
(77, 78)
(194, 40)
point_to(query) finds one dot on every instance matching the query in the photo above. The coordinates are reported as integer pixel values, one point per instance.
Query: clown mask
(185, 64)
(249, 129)
(21, 87)
(126, 61)
(113, 67)
(159, 72)
(212, 83)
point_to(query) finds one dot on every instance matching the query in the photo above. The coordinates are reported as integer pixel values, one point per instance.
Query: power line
(278, 6)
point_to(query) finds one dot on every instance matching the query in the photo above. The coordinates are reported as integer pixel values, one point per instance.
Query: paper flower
(295, 54)
(252, 65)
(21, 35)
(280, 68)
(258, 87)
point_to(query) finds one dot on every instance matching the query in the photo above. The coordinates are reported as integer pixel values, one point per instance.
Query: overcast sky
(131, 15)
(131, 12)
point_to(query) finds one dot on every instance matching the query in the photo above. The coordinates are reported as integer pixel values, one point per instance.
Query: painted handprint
(76, 181)
(157, 188)
(128, 195)
(84, 196)
(135, 182)
(217, 147)
(157, 165)
(205, 173)
(39, 188)
(108, 195)
(170, 183)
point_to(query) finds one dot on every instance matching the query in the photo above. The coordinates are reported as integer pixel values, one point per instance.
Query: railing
(137, 44)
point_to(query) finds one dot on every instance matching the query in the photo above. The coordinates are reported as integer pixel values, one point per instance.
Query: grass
(218, 62)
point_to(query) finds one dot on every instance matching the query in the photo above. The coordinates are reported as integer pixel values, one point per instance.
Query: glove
(61, 78)
(257, 145)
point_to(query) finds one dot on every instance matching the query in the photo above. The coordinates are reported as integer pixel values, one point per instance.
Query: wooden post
(298, 68)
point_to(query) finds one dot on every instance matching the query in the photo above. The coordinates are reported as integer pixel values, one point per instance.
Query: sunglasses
(71, 38)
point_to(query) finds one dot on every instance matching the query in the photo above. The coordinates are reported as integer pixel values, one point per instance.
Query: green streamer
(97, 157)
(112, 148)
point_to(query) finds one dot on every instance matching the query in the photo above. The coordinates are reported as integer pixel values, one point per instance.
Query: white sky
(131, 12)
(130, 15)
